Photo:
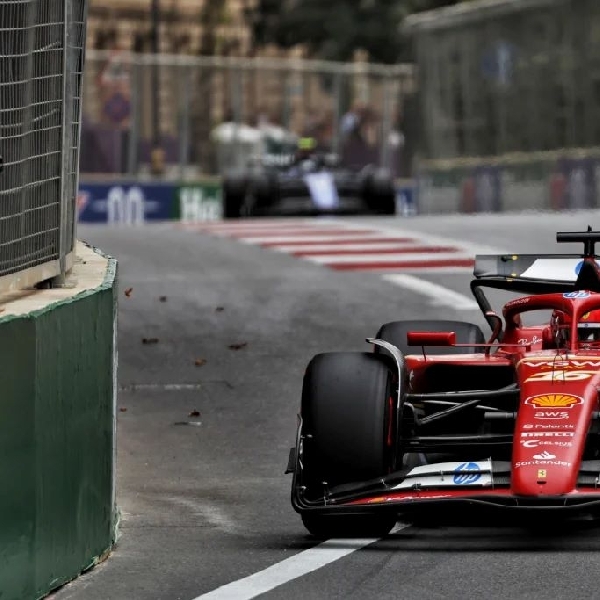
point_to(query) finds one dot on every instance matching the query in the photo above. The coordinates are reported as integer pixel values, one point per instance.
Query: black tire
(395, 333)
(264, 190)
(380, 192)
(234, 196)
(343, 526)
(349, 435)
(347, 425)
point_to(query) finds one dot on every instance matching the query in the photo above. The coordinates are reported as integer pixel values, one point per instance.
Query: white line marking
(329, 259)
(358, 247)
(440, 295)
(287, 570)
(317, 237)
(429, 238)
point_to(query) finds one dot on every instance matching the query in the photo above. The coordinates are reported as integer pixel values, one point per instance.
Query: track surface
(207, 504)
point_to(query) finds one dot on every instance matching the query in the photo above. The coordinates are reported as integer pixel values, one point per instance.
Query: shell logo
(554, 401)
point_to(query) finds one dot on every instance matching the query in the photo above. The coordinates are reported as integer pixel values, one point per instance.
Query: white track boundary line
(431, 239)
(291, 568)
(440, 295)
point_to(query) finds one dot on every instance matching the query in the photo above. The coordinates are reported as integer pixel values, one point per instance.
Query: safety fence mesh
(41, 62)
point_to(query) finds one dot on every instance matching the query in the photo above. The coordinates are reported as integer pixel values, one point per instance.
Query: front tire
(349, 434)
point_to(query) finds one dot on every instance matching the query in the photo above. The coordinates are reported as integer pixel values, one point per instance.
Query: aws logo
(554, 401)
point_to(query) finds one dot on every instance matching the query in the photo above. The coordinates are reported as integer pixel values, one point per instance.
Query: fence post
(337, 101)
(134, 118)
(235, 76)
(386, 122)
(77, 142)
(184, 121)
(66, 141)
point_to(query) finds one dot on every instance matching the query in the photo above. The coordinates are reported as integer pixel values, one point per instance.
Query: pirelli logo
(539, 434)
(554, 401)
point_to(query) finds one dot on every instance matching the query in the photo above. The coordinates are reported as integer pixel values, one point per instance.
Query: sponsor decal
(578, 294)
(533, 463)
(545, 455)
(554, 401)
(517, 302)
(533, 434)
(550, 415)
(561, 375)
(464, 475)
(553, 426)
(448, 474)
(198, 204)
(534, 340)
(537, 443)
(591, 363)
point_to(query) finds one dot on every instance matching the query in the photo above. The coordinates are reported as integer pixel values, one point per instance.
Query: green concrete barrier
(57, 432)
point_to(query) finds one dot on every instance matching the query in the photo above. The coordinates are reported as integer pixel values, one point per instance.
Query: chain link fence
(41, 58)
(503, 77)
(206, 113)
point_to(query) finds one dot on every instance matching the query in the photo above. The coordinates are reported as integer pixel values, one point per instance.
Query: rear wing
(531, 273)
(544, 273)
(538, 273)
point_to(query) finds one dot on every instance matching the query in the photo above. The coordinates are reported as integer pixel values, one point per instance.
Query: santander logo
(544, 456)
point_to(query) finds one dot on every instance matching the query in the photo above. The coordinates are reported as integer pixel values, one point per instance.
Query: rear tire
(380, 192)
(349, 435)
(395, 333)
(234, 196)
(264, 190)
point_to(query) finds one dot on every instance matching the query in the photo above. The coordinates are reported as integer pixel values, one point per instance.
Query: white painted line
(358, 247)
(439, 295)
(386, 228)
(440, 270)
(252, 224)
(317, 237)
(291, 568)
(328, 259)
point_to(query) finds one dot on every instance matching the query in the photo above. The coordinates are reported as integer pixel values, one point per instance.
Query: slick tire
(344, 526)
(395, 333)
(348, 419)
(380, 193)
(234, 195)
(264, 191)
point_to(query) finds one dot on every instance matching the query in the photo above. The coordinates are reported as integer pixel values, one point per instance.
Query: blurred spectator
(350, 121)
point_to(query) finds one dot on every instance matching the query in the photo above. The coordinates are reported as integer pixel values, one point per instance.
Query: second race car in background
(306, 182)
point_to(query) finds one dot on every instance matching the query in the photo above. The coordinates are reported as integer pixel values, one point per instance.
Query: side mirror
(431, 338)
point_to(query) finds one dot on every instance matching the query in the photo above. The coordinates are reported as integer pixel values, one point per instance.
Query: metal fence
(41, 63)
(126, 115)
(502, 76)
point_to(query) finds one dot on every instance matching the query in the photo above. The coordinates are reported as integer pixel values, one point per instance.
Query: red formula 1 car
(436, 417)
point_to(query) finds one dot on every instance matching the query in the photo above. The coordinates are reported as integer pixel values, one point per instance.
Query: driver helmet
(306, 147)
(588, 328)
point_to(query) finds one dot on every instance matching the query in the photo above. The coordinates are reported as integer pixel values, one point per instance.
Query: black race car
(307, 184)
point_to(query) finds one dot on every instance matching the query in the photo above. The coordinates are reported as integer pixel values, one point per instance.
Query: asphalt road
(206, 503)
